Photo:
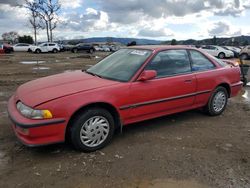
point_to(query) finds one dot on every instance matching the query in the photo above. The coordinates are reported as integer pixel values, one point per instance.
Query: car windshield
(121, 65)
(43, 44)
(225, 48)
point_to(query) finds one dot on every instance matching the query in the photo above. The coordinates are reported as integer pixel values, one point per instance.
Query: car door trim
(136, 105)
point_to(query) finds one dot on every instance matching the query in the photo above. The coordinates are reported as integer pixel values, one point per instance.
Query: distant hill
(239, 40)
(124, 41)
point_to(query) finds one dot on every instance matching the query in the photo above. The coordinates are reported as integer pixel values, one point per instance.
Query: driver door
(44, 47)
(172, 90)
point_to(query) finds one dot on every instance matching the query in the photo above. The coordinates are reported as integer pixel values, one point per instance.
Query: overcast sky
(153, 19)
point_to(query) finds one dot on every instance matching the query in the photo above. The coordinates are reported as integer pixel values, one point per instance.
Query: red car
(131, 85)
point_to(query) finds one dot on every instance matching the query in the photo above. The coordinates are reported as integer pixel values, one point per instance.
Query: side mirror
(147, 75)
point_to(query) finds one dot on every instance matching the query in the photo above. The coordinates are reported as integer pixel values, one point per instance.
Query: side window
(51, 44)
(213, 48)
(200, 62)
(170, 62)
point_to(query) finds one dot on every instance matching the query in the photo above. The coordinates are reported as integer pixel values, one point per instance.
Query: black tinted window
(51, 44)
(200, 62)
(205, 47)
(213, 48)
(170, 62)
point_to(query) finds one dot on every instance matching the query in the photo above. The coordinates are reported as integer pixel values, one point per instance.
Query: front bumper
(36, 132)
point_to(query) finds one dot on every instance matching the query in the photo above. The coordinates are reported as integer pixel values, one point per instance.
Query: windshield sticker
(139, 52)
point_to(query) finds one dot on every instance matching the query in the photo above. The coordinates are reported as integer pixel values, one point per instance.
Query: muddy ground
(188, 149)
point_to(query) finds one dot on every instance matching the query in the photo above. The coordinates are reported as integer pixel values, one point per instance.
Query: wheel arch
(114, 112)
(227, 87)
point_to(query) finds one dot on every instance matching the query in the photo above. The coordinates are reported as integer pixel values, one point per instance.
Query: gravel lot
(187, 149)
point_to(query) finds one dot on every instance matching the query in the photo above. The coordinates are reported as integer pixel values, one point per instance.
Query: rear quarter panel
(209, 80)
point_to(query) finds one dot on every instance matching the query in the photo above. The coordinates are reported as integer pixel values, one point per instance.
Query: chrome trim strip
(162, 100)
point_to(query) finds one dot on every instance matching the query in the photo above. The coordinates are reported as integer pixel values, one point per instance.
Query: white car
(234, 49)
(46, 47)
(105, 49)
(218, 51)
(22, 47)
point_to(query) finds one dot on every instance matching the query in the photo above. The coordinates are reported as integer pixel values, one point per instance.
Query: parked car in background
(97, 48)
(1, 48)
(83, 47)
(218, 51)
(46, 47)
(114, 48)
(7, 48)
(105, 48)
(245, 53)
(87, 106)
(236, 54)
(22, 47)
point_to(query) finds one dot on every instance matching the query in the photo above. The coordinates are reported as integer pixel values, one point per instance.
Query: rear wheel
(91, 51)
(217, 102)
(74, 50)
(38, 51)
(221, 55)
(92, 129)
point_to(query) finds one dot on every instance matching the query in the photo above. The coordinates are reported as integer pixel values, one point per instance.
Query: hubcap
(219, 101)
(94, 131)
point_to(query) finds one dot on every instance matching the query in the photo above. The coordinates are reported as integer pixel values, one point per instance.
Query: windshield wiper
(93, 74)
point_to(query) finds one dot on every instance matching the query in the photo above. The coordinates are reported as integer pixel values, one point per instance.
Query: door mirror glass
(147, 75)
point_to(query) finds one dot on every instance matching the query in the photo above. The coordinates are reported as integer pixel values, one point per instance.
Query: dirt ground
(189, 149)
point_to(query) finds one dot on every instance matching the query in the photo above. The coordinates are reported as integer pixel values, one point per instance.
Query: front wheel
(92, 130)
(54, 50)
(217, 102)
(221, 55)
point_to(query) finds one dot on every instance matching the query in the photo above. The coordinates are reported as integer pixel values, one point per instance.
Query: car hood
(49, 88)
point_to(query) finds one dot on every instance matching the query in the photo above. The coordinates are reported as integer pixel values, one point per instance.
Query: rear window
(200, 62)
(220, 62)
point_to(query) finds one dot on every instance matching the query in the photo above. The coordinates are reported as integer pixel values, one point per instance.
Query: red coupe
(131, 85)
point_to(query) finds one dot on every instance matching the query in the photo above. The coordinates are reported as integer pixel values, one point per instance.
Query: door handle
(188, 81)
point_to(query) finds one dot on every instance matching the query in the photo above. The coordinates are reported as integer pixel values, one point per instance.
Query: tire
(82, 131)
(213, 108)
(244, 56)
(221, 55)
(54, 50)
(91, 51)
(245, 81)
(74, 50)
(38, 51)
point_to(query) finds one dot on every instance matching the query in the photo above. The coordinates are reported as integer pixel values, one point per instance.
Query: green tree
(245, 43)
(214, 40)
(174, 42)
(26, 39)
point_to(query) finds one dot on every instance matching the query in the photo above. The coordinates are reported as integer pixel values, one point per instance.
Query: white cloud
(70, 3)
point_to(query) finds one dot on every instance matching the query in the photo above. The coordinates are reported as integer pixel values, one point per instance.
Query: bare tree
(10, 37)
(48, 11)
(34, 20)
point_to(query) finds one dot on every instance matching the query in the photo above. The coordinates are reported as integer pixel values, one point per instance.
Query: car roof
(161, 47)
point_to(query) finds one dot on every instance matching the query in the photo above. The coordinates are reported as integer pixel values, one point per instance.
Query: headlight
(32, 113)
